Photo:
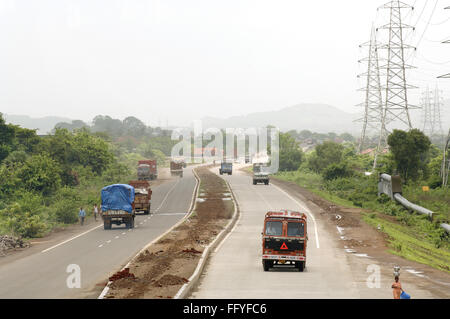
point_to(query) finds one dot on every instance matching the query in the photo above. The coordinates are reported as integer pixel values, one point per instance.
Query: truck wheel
(300, 266)
(254, 182)
(106, 225)
(267, 183)
(132, 222)
(267, 264)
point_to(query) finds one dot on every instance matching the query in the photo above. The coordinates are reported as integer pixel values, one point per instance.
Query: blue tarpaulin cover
(118, 197)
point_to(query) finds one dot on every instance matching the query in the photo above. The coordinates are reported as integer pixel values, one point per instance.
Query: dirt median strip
(171, 264)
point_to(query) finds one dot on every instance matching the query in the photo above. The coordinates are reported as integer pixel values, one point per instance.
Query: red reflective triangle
(284, 247)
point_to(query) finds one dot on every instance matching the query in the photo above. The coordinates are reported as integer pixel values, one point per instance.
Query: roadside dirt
(359, 236)
(162, 269)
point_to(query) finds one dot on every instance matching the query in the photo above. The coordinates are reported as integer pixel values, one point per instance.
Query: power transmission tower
(373, 119)
(396, 106)
(436, 123)
(445, 76)
(373, 104)
(446, 162)
(427, 125)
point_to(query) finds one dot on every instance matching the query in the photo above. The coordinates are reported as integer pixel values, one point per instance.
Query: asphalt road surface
(97, 252)
(235, 268)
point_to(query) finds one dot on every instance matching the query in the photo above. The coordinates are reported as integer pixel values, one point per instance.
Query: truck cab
(284, 240)
(147, 170)
(176, 168)
(260, 174)
(226, 168)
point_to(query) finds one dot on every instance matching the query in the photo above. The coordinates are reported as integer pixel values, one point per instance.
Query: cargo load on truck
(147, 170)
(143, 196)
(284, 240)
(176, 168)
(118, 205)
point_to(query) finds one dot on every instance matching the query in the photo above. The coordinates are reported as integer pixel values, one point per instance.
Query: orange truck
(147, 170)
(284, 240)
(142, 197)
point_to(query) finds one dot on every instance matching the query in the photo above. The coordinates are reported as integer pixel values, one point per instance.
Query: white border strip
(193, 202)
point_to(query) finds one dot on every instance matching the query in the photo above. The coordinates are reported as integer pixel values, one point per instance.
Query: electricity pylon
(427, 125)
(436, 123)
(373, 105)
(445, 76)
(445, 162)
(396, 106)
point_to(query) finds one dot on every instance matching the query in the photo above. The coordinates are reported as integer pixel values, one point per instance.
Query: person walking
(82, 215)
(397, 288)
(95, 212)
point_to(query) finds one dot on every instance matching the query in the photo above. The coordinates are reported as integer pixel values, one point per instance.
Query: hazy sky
(185, 59)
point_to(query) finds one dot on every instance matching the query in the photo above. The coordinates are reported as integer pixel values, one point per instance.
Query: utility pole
(373, 104)
(396, 106)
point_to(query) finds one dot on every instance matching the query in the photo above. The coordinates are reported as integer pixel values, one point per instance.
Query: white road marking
(123, 233)
(165, 198)
(307, 211)
(100, 246)
(117, 237)
(108, 241)
(66, 241)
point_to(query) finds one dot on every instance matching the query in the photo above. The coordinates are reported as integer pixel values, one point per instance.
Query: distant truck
(176, 168)
(260, 174)
(284, 240)
(226, 168)
(118, 205)
(147, 170)
(142, 197)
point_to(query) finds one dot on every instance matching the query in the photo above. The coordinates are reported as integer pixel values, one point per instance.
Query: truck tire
(220, 172)
(132, 223)
(300, 266)
(267, 264)
(106, 224)
(267, 183)
(254, 183)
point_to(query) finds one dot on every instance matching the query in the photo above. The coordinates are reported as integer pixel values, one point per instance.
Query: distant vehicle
(226, 168)
(247, 159)
(260, 174)
(176, 168)
(142, 197)
(284, 240)
(118, 205)
(147, 170)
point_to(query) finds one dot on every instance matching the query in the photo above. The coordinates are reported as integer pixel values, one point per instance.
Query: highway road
(97, 252)
(235, 269)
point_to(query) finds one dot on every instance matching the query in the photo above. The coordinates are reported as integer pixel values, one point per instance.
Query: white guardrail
(392, 187)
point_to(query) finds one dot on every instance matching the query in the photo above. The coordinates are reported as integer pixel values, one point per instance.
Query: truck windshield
(274, 228)
(257, 169)
(296, 229)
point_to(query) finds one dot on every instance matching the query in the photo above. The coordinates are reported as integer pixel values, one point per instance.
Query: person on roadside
(95, 212)
(82, 215)
(397, 288)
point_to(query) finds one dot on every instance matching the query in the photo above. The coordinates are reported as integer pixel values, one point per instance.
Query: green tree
(410, 152)
(291, 155)
(6, 138)
(326, 154)
(40, 174)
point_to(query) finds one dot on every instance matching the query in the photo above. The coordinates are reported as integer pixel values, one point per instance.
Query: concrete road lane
(235, 268)
(98, 253)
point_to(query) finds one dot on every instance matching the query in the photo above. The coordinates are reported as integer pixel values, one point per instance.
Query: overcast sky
(185, 59)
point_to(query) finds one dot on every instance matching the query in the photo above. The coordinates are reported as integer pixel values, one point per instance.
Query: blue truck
(118, 205)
